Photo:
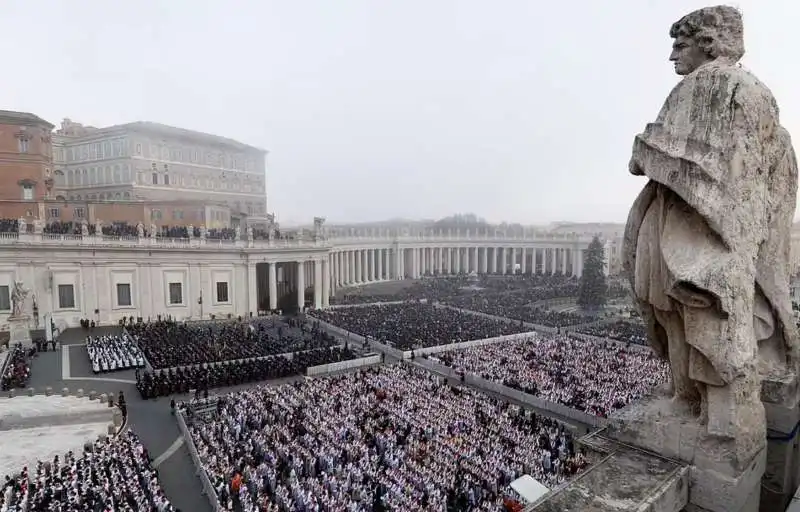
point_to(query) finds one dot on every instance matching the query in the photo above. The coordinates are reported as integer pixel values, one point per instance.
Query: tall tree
(593, 288)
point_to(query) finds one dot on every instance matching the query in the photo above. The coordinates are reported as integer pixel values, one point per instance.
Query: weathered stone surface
(707, 250)
(64, 391)
(709, 210)
(621, 479)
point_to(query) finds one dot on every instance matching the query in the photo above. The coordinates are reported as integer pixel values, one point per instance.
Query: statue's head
(706, 35)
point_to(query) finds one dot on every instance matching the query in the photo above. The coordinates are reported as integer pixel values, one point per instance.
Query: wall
(340, 366)
(31, 166)
(467, 344)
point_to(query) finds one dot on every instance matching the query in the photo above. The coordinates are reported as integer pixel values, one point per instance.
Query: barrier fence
(514, 395)
(598, 339)
(208, 489)
(533, 327)
(467, 344)
(342, 365)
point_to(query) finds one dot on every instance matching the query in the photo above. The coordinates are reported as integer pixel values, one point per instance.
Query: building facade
(105, 278)
(145, 161)
(25, 157)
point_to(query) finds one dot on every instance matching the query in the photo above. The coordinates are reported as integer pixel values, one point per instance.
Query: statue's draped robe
(711, 229)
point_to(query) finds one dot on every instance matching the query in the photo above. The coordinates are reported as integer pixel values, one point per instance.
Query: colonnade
(349, 267)
(360, 266)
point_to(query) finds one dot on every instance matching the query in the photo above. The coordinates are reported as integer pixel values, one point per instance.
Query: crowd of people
(201, 378)
(597, 378)
(415, 325)
(385, 438)
(17, 368)
(111, 353)
(113, 474)
(169, 343)
(621, 330)
(9, 226)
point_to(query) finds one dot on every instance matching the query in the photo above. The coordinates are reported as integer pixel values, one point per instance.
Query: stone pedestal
(718, 482)
(780, 395)
(20, 327)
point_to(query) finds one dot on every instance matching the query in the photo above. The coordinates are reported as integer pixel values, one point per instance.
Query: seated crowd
(621, 330)
(115, 474)
(597, 378)
(167, 343)
(111, 353)
(386, 438)
(233, 373)
(17, 369)
(415, 325)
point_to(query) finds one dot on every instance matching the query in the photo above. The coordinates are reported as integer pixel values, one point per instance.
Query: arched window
(166, 179)
(107, 174)
(93, 176)
(155, 178)
(78, 197)
(126, 174)
(117, 196)
(126, 195)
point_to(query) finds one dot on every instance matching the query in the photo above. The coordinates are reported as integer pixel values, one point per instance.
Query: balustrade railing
(282, 243)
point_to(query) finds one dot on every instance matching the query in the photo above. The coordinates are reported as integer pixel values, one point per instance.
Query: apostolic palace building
(90, 225)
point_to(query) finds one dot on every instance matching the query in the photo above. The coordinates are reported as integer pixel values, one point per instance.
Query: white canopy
(529, 488)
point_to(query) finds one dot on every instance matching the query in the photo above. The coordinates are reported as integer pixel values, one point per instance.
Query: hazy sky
(515, 110)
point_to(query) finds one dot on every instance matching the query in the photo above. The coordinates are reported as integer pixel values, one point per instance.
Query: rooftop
(23, 119)
(77, 130)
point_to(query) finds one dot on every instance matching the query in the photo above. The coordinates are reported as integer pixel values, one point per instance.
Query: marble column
(514, 256)
(466, 260)
(273, 285)
(475, 260)
(400, 262)
(457, 260)
(503, 261)
(485, 262)
(326, 283)
(380, 264)
(523, 265)
(492, 259)
(364, 267)
(370, 265)
(301, 285)
(439, 260)
(317, 284)
(564, 261)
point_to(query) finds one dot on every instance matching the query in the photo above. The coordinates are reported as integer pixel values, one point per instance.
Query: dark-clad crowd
(621, 330)
(415, 325)
(380, 439)
(114, 474)
(201, 378)
(18, 368)
(597, 378)
(9, 226)
(167, 343)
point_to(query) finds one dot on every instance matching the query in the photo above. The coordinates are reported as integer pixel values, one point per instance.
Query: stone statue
(707, 240)
(98, 227)
(140, 230)
(238, 232)
(84, 229)
(18, 295)
(250, 233)
(153, 230)
(22, 225)
(190, 231)
(38, 226)
(203, 232)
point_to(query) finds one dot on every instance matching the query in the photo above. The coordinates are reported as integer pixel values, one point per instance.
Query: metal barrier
(512, 394)
(208, 489)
